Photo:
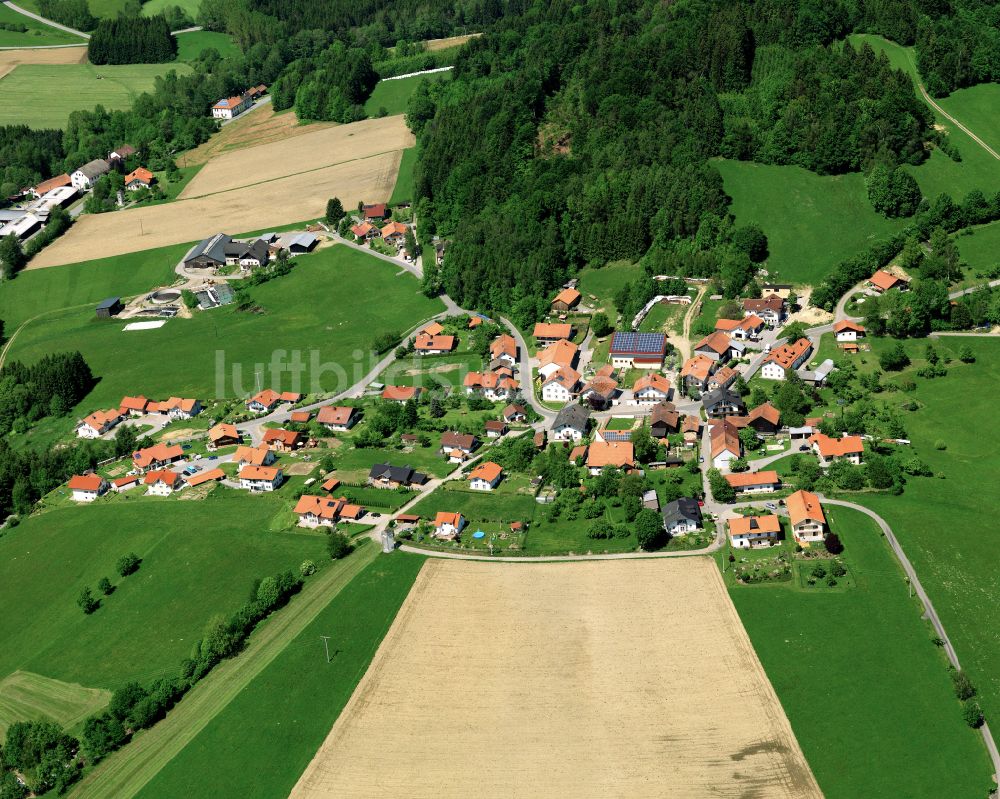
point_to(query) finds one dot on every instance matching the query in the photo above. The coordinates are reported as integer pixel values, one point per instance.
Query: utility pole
(326, 646)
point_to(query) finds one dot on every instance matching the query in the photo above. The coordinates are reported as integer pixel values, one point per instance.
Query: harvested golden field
(9, 59)
(262, 126)
(452, 41)
(591, 679)
(307, 153)
(281, 201)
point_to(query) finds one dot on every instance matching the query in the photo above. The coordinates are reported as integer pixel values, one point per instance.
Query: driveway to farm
(265, 100)
(48, 22)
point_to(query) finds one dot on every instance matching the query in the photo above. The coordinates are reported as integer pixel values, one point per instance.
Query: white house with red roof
(787, 357)
(448, 525)
(230, 107)
(259, 479)
(87, 487)
(162, 482)
(98, 423)
(848, 331)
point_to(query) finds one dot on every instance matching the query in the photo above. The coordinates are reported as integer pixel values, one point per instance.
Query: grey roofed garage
(211, 249)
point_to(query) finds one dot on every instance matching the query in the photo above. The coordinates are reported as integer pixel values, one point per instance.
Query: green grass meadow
(43, 96)
(980, 250)
(867, 693)
(812, 221)
(38, 34)
(945, 523)
(394, 95)
(402, 192)
(190, 45)
(199, 558)
(262, 741)
(153, 7)
(604, 282)
(328, 310)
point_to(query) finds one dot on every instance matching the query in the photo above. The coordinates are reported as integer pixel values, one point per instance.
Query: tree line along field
(393, 96)
(867, 693)
(261, 742)
(38, 34)
(42, 96)
(334, 302)
(944, 522)
(198, 559)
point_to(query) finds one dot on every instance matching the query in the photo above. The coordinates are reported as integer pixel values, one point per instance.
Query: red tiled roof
(259, 473)
(553, 330)
(847, 324)
(610, 453)
(885, 280)
(140, 173)
(745, 525)
(86, 482)
(567, 296)
(335, 414)
(716, 342)
(787, 354)
(804, 506)
(487, 471)
(400, 393)
(837, 447)
(744, 479)
(205, 477)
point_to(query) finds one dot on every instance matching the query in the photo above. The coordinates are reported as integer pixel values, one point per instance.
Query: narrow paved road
(972, 289)
(48, 22)
(186, 30)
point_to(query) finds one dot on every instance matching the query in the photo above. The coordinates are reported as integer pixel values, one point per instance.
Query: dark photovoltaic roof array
(640, 343)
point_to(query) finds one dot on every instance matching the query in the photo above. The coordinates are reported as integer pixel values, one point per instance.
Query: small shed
(112, 306)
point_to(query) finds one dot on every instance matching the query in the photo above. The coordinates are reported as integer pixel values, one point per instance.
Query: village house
(87, 175)
(394, 233)
(314, 511)
(664, 420)
(156, 456)
(339, 418)
(600, 392)
(231, 106)
(330, 484)
(787, 357)
(615, 454)
(495, 429)
(400, 394)
(691, 428)
(848, 448)
(765, 419)
(58, 182)
(566, 300)
(848, 332)
(561, 385)
(723, 402)
(485, 476)
(457, 446)
(494, 386)
(754, 482)
(431, 329)
(254, 456)
(475, 321)
(177, 408)
(749, 328)
(725, 440)
(384, 475)
(133, 406)
(366, 231)
(883, 281)
(140, 178)
(126, 483)
(267, 400)
(448, 525)
(433, 345)
(770, 309)
(556, 356)
(750, 532)
(550, 333)
(514, 413)
(651, 388)
(162, 482)
(682, 516)
(716, 346)
(638, 350)
(504, 347)
(571, 423)
(87, 487)
(300, 417)
(98, 423)
(724, 378)
(375, 212)
(281, 440)
(119, 155)
(696, 372)
(258, 479)
(222, 250)
(806, 516)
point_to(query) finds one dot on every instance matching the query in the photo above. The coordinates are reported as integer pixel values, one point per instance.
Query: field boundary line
(127, 771)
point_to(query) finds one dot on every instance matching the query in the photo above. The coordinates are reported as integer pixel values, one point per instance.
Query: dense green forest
(132, 40)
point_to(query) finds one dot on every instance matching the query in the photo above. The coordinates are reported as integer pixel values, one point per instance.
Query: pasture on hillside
(328, 310)
(190, 45)
(602, 284)
(548, 667)
(42, 96)
(944, 522)
(38, 34)
(152, 7)
(392, 96)
(402, 192)
(199, 558)
(261, 742)
(829, 654)
(11, 59)
(980, 250)
(812, 222)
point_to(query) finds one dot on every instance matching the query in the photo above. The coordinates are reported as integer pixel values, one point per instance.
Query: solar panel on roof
(638, 342)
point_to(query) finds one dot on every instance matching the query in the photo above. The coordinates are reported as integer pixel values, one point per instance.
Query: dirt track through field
(611, 679)
(9, 59)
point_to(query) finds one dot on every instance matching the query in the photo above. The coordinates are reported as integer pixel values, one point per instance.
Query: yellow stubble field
(591, 679)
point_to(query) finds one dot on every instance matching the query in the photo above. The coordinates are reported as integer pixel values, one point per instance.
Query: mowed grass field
(198, 559)
(12, 59)
(945, 523)
(190, 45)
(402, 192)
(867, 693)
(154, 7)
(393, 95)
(38, 34)
(812, 222)
(43, 95)
(980, 250)
(331, 306)
(263, 740)
(604, 282)
(543, 687)
(29, 697)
